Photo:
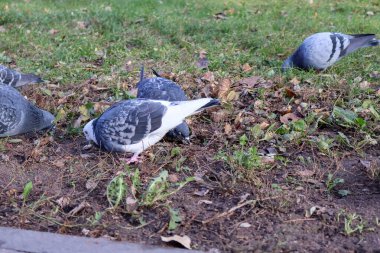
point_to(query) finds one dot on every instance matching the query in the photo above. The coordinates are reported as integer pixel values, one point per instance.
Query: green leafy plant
(27, 190)
(116, 190)
(175, 218)
(332, 182)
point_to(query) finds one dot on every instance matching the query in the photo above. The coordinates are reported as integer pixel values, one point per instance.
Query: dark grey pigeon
(159, 88)
(136, 124)
(18, 115)
(17, 79)
(321, 50)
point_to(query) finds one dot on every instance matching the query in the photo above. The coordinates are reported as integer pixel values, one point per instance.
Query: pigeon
(321, 50)
(18, 115)
(13, 78)
(159, 88)
(136, 124)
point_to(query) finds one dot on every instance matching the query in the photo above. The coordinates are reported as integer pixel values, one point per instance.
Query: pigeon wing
(128, 122)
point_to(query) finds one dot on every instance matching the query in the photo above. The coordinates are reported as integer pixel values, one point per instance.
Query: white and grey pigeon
(18, 115)
(321, 50)
(159, 88)
(135, 125)
(16, 79)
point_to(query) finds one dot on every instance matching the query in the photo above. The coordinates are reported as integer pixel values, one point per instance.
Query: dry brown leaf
(267, 159)
(232, 95)
(264, 125)
(63, 202)
(288, 118)
(224, 87)
(131, 204)
(173, 178)
(219, 116)
(185, 241)
(290, 93)
(364, 85)
(208, 77)
(246, 67)
(59, 163)
(227, 129)
(91, 184)
(305, 173)
(250, 81)
(295, 81)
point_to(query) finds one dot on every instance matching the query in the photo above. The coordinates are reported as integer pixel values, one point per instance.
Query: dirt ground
(283, 207)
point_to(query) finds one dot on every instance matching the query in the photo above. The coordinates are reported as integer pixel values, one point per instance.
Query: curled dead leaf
(224, 87)
(250, 81)
(288, 118)
(208, 77)
(185, 241)
(305, 173)
(219, 116)
(227, 129)
(295, 81)
(246, 67)
(63, 202)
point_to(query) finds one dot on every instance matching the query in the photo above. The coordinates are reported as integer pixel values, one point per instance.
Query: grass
(171, 33)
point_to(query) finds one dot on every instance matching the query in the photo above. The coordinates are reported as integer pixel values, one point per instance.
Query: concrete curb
(18, 240)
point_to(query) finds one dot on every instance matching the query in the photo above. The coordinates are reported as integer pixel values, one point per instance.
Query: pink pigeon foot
(133, 159)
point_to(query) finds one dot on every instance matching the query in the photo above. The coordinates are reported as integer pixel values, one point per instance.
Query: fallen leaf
(305, 173)
(173, 178)
(288, 118)
(295, 81)
(185, 241)
(232, 95)
(365, 163)
(290, 93)
(63, 202)
(246, 67)
(2, 29)
(131, 204)
(219, 116)
(227, 129)
(224, 87)
(91, 184)
(59, 163)
(250, 81)
(364, 85)
(208, 77)
(264, 125)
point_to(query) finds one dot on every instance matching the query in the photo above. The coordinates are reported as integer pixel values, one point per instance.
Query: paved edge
(20, 240)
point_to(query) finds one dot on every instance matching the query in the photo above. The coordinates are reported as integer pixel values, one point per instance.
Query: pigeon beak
(186, 140)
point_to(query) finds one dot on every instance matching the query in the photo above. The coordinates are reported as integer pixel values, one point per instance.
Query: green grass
(171, 32)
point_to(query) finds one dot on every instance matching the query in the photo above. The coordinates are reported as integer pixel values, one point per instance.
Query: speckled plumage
(321, 50)
(18, 115)
(159, 88)
(136, 124)
(16, 79)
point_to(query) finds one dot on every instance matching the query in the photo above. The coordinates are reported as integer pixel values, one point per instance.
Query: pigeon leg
(134, 159)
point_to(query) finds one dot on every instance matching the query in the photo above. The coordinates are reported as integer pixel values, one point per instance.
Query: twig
(233, 209)
(304, 219)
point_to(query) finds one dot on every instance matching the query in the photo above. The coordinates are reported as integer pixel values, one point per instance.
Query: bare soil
(232, 210)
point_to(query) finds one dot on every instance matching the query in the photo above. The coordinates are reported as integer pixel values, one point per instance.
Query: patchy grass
(288, 157)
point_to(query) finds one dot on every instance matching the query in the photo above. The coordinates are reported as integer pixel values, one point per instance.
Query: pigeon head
(48, 120)
(89, 132)
(180, 132)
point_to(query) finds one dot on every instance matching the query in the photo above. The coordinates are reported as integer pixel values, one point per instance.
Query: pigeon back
(18, 115)
(159, 88)
(17, 79)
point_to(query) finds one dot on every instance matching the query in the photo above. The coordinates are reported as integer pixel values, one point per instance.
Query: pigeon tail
(155, 72)
(142, 72)
(212, 103)
(360, 41)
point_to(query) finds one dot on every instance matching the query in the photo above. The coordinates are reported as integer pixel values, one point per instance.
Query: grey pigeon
(321, 50)
(18, 115)
(135, 125)
(159, 88)
(16, 79)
